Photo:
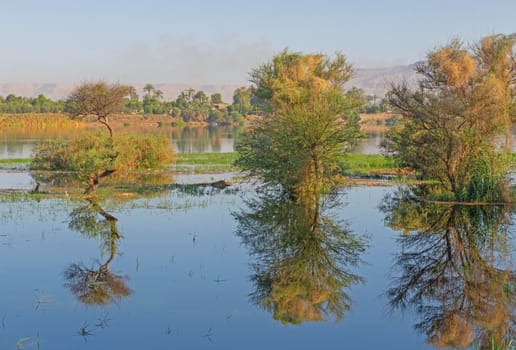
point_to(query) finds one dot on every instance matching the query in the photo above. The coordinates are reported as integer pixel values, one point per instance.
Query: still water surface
(184, 140)
(230, 270)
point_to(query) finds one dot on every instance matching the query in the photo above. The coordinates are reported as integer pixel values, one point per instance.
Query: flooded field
(231, 268)
(191, 267)
(185, 140)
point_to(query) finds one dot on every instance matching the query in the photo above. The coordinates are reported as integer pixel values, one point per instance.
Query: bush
(143, 152)
(84, 154)
(93, 156)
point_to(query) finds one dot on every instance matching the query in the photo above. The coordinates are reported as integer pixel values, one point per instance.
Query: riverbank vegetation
(189, 106)
(465, 100)
(92, 157)
(309, 121)
(302, 123)
(42, 122)
(353, 165)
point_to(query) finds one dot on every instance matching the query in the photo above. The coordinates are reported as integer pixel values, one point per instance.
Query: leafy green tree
(216, 98)
(464, 101)
(152, 105)
(148, 89)
(99, 99)
(200, 97)
(242, 98)
(188, 94)
(158, 94)
(216, 116)
(308, 122)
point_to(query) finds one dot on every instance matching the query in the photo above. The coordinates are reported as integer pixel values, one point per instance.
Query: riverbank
(36, 123)
(363, 165)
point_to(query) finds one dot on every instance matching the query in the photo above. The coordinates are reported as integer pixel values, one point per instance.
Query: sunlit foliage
(465, 99)
(99, 99)
(91, 157)
(308, 122)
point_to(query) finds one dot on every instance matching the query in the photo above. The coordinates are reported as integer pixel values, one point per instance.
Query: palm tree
(188, 94)
(158, 94)
(148, 88)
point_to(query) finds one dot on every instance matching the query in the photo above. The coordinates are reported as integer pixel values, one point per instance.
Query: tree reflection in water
(456, 270)
(303, 259)
(96, 285)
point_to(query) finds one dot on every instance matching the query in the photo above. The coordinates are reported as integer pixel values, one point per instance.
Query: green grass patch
(369, 165)
(372, 165)
(15, 163)
(512, 160)
(206, 158)
(15, 160)
(205, 162)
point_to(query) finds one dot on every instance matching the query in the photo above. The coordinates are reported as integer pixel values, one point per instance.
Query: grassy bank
(354, 164)
(368, 165)
(205, 162)
(36, 122)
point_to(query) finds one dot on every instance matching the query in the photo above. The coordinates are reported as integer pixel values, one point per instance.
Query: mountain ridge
(374, 81)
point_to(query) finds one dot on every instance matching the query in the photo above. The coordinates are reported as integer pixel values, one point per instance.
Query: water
(179, 270)
(185, 140)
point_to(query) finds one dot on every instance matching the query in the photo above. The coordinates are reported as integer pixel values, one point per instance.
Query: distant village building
(220, 106)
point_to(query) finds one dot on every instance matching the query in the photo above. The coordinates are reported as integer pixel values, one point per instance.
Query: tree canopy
(99, 99)
(464, 101)
(308, 121)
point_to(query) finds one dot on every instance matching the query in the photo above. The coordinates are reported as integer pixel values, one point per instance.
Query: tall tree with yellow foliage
(308, 121)
(465, 100)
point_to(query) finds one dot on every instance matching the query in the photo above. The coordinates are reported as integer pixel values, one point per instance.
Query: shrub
(143, 152)
(94, 156)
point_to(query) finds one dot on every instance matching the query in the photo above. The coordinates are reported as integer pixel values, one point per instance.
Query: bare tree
(99, 99)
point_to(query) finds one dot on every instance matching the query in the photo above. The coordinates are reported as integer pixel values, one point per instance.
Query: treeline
(40, 104)
(189, 106)
(195, 106)
(373, 104)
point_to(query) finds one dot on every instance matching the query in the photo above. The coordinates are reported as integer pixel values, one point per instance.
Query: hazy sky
(219, 41)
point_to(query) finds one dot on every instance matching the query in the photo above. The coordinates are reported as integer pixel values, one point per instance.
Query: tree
(99, 99)
(148, 89)
(242, 100)
(307, 123)
(188, 94)
(465, 99)
(158, 94)
(216, 98)
(200, 97)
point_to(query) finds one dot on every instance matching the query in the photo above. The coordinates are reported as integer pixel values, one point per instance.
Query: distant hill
(374, 81)
(377, 81)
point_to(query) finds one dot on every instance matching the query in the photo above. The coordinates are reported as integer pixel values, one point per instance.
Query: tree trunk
(104, 120)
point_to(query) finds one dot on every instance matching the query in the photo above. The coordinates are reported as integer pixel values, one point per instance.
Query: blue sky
(218, 42)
